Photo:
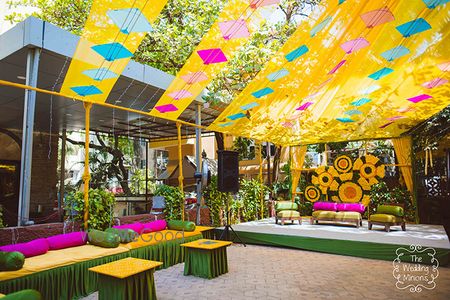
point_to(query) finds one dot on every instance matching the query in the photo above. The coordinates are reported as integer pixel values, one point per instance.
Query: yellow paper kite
(112, 33)
(353, 70)
(234, 25)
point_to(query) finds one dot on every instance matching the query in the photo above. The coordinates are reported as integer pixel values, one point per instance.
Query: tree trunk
(276, 163)
(219, 140)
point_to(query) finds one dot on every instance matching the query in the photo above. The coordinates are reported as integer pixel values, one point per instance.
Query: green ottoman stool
(387, 216)
(287, 210)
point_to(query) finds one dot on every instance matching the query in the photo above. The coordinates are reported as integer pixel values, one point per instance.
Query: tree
(113, 157)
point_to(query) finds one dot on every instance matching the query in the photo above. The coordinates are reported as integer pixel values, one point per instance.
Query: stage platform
(345, 239)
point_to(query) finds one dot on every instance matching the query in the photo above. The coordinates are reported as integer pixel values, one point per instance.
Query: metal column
(198, 158)
(27, 136)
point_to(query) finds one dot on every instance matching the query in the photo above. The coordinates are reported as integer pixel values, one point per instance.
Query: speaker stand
(226, 231)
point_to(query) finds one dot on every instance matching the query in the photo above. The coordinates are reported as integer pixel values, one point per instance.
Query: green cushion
(126, 235)
(286, 205)
(23, 295)
(11, 261)
(288, 214)
(181, 225)
(385, 218)
(347, 215)
(390, 210)
(324, 214)
(103, 239)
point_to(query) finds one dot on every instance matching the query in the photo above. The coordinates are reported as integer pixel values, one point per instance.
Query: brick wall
(44, 175)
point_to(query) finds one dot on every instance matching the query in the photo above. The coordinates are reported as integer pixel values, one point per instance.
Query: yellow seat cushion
(324, 214)
(58, 258)
(347, 215)
(288, 214)
(385, 218)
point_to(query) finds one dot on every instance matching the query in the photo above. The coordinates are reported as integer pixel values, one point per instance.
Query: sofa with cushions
(338, 213)
(58, 266)
(388, 215)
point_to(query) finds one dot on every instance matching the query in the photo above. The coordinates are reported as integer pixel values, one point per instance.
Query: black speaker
(228, 171)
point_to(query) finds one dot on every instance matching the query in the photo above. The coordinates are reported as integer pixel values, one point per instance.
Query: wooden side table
(129, 278)
(206, 258)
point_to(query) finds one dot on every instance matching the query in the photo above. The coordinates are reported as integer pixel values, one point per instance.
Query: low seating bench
(338, 213)
(63, 274)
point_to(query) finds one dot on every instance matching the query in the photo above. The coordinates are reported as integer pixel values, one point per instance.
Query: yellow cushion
(58, 258)
(324, 214)
(288, 214)
(385, 218)
(348, 215)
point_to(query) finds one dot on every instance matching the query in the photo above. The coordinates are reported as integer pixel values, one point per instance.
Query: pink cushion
(30, 249)
(67, 240)
(329, 206)
(137, 227)
(157, 225)
(357, 207)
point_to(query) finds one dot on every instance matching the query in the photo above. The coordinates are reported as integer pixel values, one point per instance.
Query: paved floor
(259, 272)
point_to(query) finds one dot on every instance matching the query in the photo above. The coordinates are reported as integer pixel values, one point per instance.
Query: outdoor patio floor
(260, 272)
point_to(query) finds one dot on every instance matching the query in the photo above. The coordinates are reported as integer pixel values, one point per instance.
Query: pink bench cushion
(62, 241)
(356, 207)
(329, 206)
(30, 249)
(137, 227)
(157, 225)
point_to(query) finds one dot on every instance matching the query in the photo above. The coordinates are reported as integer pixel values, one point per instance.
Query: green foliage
(250, 197)
(380, 193)
(137, 185)
(215, 201)
(1, 217)
(429, 134)
(67, 14)
(242, 145)
(101, 208)
(283, 188)
(173, 198)
(306, 207)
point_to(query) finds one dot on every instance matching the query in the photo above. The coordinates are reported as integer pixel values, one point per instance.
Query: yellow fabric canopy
(353, 70)
(237, 20)
(112, 33)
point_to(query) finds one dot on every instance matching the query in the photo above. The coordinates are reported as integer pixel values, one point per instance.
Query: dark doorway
(9, 190)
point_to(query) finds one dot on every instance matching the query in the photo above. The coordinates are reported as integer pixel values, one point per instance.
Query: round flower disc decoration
(370, 169)
(325, 178)
(312, 193)
(343, 164)
(350, 192)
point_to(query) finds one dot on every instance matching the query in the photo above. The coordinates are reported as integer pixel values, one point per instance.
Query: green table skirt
(137, 287)
(206, 263)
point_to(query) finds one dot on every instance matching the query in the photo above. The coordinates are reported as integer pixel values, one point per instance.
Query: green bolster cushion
(286, 205)
(103, 239)
(390, 210)
(24, 295)
(126, 235)
(181, 225)
(11, 261)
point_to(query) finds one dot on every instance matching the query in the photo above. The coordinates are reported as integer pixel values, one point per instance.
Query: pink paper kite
(304, 106)
(234, 29)
(354, 45)
(445, 66)
(212, 56)
(419, 98)
(377, 17)
(337, 67)
(194, 77)
(287, 124)
(166, 108)
(258, 3)
(435, 83)
(177, 95)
